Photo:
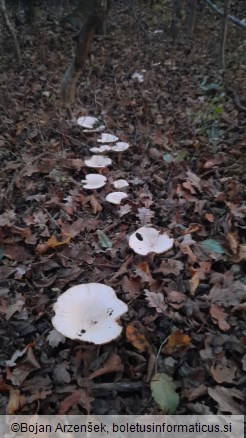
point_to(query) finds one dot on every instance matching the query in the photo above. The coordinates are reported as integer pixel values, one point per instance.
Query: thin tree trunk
(176, 18)
(224, 28)
(10, 29)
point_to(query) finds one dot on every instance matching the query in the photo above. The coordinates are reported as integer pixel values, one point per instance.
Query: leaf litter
(191, 302)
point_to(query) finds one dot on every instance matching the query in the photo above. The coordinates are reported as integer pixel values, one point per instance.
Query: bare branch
(221, 13)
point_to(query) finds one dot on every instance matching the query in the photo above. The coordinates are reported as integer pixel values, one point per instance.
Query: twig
(221, 13)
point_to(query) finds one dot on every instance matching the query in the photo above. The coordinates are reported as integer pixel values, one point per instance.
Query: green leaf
(103, 239)
(213, 245)
(181, 156)
(163, 392)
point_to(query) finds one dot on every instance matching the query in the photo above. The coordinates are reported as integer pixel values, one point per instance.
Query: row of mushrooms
(90, 312)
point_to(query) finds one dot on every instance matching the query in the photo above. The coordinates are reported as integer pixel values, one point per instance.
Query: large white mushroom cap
(89, 312)
(98, 161)
(94, 181)
(146, 240)
(87, 121)
(116, 197)
(107, 138)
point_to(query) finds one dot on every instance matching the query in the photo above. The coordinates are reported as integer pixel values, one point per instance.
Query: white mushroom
(120, 147)
(98, 161)
(87, 121)
(120, 184)
(107, 138)
(101, 149)
(116, 197)
(146, 240)
(89, 312)
(94, 181)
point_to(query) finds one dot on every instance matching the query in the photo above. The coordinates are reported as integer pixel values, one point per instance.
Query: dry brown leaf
(170, 266)
(16, 307)
(112, 365)
(142, 269)
(95, 204)
(194, 283)
(79, 397)
(176, 299)
(52, 242)
(156, 300)
(224, 397)
(73, 229)
(176, 342)
(240, 308)
(194, 393)
(219, 316)
(241, 255)
(17, 253)
(209, 217)
(232, 242)
(14, 401)
(223, 373)
(137, 339)
(131, 287)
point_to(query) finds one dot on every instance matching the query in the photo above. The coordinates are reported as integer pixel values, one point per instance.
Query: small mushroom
(87, 121)
(116, 197)
(94, 181)
(89, 312)
(107, 138)
(146, 240)
(120, 184)
(101, 149)
(98, 162)
(120, 147)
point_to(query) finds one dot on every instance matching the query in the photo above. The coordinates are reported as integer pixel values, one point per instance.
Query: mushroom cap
(146, 240)
(98, 161)
(94, 181)
(120, 147)
(87, 121)
(107, 138)
(116, 197)
(88, 312)
(103, 148)
(120, 183)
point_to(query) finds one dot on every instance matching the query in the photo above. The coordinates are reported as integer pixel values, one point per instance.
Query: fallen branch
(221, 13)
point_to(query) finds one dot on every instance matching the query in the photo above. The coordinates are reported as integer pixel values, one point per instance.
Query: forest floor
(186, 173)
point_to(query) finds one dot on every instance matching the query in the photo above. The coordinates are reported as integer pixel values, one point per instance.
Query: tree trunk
(84, 41)
(223, 35)
(11, 30)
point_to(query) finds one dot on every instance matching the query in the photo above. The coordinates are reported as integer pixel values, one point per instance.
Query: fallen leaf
(131, 287)
(224, 397)
(79, 397)
(176, 342)
(17, 253)
(176, 299)
(194, 283)
(14, 401)
(137, 339)
(164, 393)
(95, 204)
(112, 365)
(156, 300)
(223, 373)
(219, 316)
(232, 242)
(54, 338)
(240, 307)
